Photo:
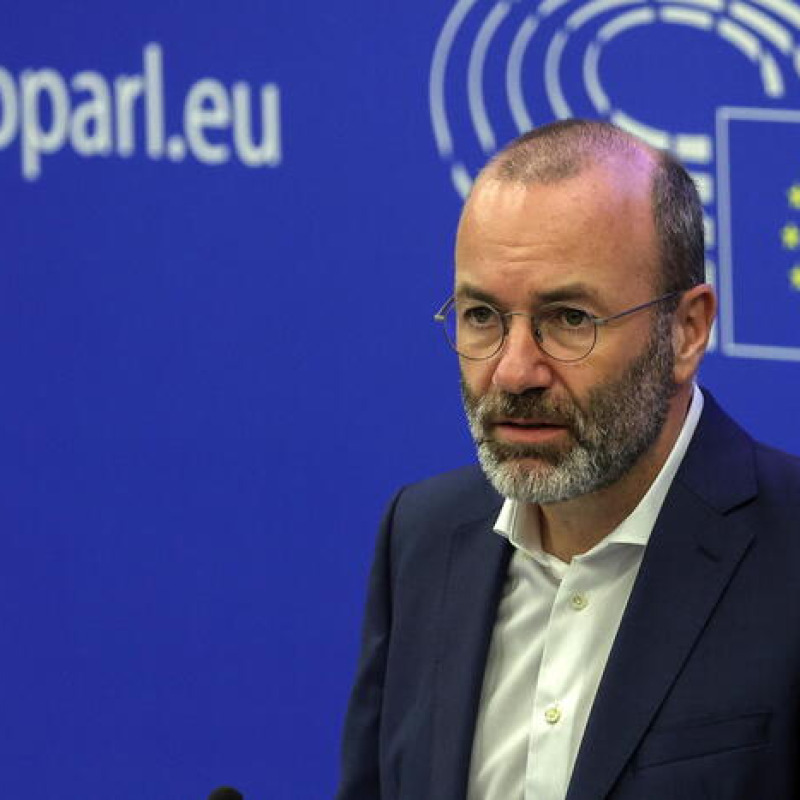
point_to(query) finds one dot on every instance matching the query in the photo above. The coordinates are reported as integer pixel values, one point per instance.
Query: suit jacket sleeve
(360, 773)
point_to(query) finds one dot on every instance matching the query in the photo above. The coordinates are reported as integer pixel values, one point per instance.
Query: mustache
(530, 405)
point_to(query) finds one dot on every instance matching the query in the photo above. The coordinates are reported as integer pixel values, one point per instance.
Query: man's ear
(691, 329)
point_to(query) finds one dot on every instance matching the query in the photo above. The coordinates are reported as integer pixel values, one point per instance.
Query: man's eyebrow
(568, 292)
(474, 293)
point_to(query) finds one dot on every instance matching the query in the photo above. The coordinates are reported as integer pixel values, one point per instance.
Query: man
(617, 617)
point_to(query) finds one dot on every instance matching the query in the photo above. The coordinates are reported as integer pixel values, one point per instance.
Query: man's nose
(521, 364)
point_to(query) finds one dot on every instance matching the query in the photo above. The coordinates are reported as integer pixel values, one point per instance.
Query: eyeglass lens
(477, 330)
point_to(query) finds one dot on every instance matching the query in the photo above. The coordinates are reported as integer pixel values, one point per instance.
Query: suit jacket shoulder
(458, 496)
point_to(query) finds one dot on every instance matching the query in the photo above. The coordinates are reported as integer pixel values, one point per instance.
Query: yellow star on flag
(793, 194)
(794, 278)
(790, 236)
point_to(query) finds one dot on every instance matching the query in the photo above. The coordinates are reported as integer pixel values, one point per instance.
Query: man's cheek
(476, 377)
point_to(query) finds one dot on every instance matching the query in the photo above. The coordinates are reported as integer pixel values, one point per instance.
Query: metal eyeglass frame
(441, 316)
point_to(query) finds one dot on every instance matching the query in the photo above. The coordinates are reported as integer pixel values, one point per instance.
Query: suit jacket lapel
(693, 552)
(477, 567)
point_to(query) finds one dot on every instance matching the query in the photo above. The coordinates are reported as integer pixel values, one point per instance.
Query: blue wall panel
(215, 374)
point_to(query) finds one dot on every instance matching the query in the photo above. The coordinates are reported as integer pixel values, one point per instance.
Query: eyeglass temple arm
(603, 320)
(440, 314)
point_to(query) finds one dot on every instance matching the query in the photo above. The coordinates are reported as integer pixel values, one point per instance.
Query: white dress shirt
(554, 630)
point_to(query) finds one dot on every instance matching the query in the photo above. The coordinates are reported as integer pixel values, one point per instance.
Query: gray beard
(621, 421)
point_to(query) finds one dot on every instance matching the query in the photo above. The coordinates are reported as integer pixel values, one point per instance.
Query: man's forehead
(597, 221)
(593, 203)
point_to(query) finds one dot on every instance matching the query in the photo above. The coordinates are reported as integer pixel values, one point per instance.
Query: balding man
(608, 608)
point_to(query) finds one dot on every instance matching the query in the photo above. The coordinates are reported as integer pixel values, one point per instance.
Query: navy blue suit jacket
(699, 699)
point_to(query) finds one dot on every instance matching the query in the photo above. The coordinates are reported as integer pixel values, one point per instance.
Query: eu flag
(758, 210)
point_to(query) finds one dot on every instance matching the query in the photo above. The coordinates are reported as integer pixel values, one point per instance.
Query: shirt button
(579, 601)
(552, 715)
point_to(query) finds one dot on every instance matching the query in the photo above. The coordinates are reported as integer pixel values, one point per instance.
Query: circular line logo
(511, 62)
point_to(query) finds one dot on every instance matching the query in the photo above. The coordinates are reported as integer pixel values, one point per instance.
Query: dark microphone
(226, 793)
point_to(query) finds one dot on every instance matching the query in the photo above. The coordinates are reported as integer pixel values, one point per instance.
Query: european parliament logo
(713, 81)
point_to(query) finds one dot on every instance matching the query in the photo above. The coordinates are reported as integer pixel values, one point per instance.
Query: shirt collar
(519, 522)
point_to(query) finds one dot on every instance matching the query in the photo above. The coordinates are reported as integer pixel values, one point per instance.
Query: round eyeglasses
(477, 330)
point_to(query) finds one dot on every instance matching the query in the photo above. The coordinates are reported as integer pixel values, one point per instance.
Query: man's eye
(479, 316)
(569, 318)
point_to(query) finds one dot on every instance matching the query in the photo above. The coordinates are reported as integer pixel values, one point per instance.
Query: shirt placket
(559, 689)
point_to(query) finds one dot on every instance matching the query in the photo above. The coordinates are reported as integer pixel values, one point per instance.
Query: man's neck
(575, 526)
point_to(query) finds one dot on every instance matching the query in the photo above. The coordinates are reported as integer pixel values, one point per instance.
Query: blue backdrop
(225, 229)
